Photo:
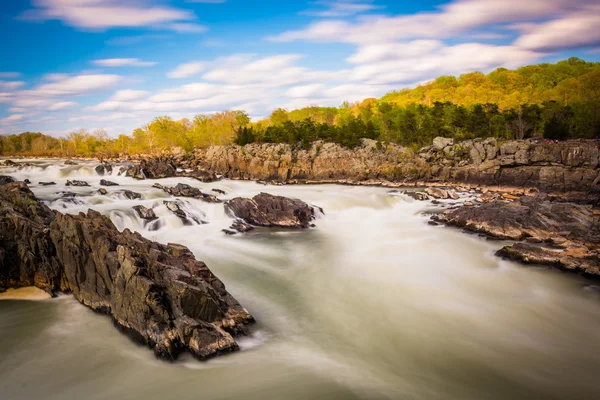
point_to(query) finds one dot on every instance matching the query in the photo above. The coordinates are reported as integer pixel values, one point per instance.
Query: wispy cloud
(123, 62)
(188, 69)
(106, 14)
(341, 8)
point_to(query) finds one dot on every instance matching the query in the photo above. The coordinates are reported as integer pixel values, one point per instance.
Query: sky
(116, 64)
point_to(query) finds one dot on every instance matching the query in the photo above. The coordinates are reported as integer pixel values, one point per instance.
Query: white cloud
(188, 69)
(184, 27)
(74, 85)
(61, 105)
(305, 90)
(105, 14)
(7, 86)
(123, 62)
(103, 118)
(342, 8)
(128, 95)
(577, 29)
(451, 19)
(12, 118)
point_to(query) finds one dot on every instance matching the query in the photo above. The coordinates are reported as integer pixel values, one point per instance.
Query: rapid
(372, 303)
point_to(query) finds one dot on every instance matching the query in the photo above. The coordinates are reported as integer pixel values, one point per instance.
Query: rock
(77, 183)
(27, 181)
(160, 295)
(437, 193)
(102, 191)
(104, 182)
(70, 162)
(9, 163)
(219, 191)
(152, 168)
(201, 175)
(131, 195)
(46, 183)
(568, 226)
(271, 211)
(241, 226)
(441, 142)
(133, 171)
(4, 179)
(417, 195)
(509, 196)
(228, 232)
(104, 169)
(177, 208)
(183, 190)
(145, 213)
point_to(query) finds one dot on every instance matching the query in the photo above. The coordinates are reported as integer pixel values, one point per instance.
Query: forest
(554, 101)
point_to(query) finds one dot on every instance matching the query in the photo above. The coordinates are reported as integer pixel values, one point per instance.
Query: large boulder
(441, 142)
(271, 211)
(152, 168)
(158, 294)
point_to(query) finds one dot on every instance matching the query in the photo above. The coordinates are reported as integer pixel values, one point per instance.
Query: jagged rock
(131, 195)
(219, 191)
(441, 142)
(183, 190)
(437, 193)
(271, 211)
(417, 195)
(145, 213)
(4, 179)
(177, 208)
(77, 183)
(158, 294)
(574, 228)
(70, 162)
(46, 183)
(104, 182)
(152, 168)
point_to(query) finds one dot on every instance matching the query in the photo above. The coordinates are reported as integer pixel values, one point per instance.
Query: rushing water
(373, 303)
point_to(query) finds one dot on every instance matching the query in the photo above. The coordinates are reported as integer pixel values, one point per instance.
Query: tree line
(555, 101)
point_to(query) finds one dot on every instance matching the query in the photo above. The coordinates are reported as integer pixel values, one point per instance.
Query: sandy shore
(26, 293)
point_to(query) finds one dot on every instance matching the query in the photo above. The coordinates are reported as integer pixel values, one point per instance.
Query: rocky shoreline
(160, 295)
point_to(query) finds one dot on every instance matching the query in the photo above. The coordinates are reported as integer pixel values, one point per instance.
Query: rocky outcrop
(564, 166)
(77, 183)
(271, 211)
(183, 190)
(561, 234)
(152, 168)
(104, 182)
(104, 168)
(158, 294)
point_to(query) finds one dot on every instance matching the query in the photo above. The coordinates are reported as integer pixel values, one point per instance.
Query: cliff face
(565, 166)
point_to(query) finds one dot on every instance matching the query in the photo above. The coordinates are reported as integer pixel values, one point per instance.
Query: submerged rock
(271, 211)
(27, 181)
(183, 190)
(77, 183)
(219, 191)
(104, 182)
(160, 295)
(46, 183)
(70, 162)
(145, 213)
(9, 163)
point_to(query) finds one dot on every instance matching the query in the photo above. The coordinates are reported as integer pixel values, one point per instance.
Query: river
(372, 303)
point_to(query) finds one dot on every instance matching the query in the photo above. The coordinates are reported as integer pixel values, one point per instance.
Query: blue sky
(116, 64)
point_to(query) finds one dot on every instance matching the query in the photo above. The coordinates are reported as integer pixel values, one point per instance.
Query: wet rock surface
(104, 182)
(557, 233)
(271, 211)
(4, 179)
(183, 190)
(128, 194)
(145, 213)
(179, 207)
(76, 183)
(160, 295)
(47, 183)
